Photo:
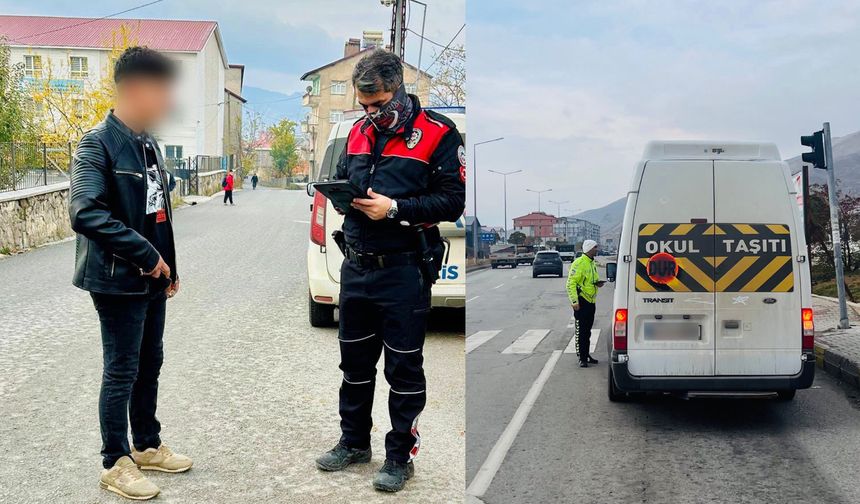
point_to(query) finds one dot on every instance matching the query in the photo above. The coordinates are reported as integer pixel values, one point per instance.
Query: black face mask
(394, 114)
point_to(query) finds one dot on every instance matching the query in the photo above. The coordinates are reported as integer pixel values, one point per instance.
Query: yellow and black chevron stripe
(718, 257)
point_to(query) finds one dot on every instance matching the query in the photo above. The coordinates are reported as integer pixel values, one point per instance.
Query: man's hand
(173, 289)
(600, 283)
(375, 206)
(575, 306)
(160, 269)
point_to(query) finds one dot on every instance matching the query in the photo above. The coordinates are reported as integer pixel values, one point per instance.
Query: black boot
(393, 475)
(582, 363)
(341, 456)
(592, 360)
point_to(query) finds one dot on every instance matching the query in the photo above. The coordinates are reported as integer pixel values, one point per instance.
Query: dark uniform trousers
(584, 321)
(383, 309)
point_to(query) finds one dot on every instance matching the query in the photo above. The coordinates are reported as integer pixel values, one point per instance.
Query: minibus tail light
(318, 219)
(619, 330)
(807, 319)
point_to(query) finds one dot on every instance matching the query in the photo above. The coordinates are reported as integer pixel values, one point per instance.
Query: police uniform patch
(463, 174)
(414, 138)
(461, 155)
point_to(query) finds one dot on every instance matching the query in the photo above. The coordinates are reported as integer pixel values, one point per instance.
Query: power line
(87, 21)
(446, 48)
(433, 41)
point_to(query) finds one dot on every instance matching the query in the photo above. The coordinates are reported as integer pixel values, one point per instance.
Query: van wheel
(320, 315)
(514, 266)
(615, 394)
(786, 395)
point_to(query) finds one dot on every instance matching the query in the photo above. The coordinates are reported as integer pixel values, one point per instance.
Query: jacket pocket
(129, 172)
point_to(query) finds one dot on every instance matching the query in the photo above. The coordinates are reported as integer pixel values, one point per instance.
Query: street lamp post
(475, 191)
(539, 193)
(505, 175)
(559, 203)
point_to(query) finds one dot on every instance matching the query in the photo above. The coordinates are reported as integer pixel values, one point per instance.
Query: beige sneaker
(162, 459)
(125, 479)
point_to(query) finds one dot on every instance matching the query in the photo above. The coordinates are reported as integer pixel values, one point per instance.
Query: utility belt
(429, 258)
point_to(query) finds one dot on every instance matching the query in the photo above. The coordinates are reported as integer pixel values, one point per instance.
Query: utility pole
(505, 175)
(398, 27)
(822, 157)
(420, 44)
(476, 231)
(834, 227)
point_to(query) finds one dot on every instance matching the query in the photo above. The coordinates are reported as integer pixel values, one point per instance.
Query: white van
(713, 286)
(324, 257)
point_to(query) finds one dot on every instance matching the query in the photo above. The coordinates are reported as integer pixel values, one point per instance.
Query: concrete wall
(210, 182)
(34, 217)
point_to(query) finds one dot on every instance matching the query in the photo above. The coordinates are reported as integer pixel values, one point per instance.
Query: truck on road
(503, 254)
(567, 251)
(526, 254)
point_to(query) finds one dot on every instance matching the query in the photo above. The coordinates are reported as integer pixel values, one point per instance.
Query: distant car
(547, 262)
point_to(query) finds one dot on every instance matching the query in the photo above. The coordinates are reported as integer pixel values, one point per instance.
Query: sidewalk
(837, 351)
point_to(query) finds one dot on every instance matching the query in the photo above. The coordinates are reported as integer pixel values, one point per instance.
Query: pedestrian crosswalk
(527, 342)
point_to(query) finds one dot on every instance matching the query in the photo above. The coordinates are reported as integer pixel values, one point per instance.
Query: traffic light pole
(834, 228)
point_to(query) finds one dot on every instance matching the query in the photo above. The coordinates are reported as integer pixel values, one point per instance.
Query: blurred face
(593, 252)
(371, 103)
(151, 99)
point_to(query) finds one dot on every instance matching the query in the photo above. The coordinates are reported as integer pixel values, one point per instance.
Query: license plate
(672, 331)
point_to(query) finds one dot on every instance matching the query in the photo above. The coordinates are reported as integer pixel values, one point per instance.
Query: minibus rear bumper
(627, 382)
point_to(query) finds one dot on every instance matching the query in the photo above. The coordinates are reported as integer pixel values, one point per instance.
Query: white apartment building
(77, 52)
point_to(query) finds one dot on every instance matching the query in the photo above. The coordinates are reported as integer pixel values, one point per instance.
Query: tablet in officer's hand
(340, 192)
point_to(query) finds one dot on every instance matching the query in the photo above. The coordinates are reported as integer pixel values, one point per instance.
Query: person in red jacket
(228, 187)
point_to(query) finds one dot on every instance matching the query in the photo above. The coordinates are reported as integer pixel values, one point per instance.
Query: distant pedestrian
(582, 284)
(254, 181)
(227, 184)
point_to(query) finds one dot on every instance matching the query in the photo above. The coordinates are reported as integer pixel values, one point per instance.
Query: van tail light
(808, 338)
(619, 330)
(318, 219)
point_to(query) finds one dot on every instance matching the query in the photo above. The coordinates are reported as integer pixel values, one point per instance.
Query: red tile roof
(164, 35)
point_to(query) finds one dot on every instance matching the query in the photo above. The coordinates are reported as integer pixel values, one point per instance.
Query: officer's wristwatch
(392, 210)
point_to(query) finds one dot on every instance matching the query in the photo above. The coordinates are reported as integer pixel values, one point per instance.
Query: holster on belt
(340, 239)
(430, 257)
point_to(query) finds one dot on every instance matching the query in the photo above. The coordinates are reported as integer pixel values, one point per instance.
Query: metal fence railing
(187, 170)
(24, 165)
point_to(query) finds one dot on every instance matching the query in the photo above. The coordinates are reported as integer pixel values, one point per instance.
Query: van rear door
(758, 326)
(671, 303)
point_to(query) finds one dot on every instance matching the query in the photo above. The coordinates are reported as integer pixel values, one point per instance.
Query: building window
(33, 66)
(335, 116)
(79, 67)
(412, 88)
(338, 87)
(173, 151)
(78, 107)
(315, 87)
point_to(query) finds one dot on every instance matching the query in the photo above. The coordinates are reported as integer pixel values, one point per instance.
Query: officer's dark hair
(140, 61)
(379, 71)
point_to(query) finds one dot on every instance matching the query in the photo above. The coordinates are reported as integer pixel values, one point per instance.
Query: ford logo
(769, 300)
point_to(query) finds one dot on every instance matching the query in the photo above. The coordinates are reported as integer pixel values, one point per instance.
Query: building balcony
(310, 100)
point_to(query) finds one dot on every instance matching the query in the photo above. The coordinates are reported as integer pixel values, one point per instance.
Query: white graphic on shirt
(154, 190)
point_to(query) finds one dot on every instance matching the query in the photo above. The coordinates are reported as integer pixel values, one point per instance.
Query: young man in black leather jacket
(125, 257)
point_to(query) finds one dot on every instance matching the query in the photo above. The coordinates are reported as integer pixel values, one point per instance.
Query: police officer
(410, 162)
(582, 285)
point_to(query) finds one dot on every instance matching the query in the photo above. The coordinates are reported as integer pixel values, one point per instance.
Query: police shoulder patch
(416, 136)
(461, 155)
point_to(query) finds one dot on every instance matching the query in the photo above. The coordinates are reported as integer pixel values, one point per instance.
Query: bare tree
(448, 87)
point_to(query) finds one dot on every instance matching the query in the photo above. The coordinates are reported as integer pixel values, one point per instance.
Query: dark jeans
(383, 310)
(584, 321)
(132, 328)
(228, 195)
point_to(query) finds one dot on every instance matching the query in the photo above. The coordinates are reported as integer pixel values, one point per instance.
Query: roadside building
(574, 230)
(75, 53)
(331, 98)
(538, 225)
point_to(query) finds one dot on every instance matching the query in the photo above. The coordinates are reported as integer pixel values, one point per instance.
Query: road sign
(488, 237)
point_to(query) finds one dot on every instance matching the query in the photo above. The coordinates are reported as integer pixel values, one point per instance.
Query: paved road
(249, 389)
(576, 446)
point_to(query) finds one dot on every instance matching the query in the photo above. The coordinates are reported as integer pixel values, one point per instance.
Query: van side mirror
(310, 189)
(611, 271)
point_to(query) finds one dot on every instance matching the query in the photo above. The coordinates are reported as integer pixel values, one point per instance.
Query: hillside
(608, 217)
(274, 106)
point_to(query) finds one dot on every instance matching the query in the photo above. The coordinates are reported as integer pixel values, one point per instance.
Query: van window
(328, 169)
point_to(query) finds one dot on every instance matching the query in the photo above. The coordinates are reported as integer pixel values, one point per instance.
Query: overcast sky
(578, 87)
(277, 40)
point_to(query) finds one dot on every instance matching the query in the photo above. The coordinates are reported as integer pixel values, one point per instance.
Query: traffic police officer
(411, 164)
(582, 285)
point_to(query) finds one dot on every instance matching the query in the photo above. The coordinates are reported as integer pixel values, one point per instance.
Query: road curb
(479, 267)
(837, 365)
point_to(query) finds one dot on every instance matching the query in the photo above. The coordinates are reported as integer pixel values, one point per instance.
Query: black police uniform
(385, 293)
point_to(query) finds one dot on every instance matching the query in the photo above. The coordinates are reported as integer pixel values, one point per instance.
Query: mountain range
(846, 157)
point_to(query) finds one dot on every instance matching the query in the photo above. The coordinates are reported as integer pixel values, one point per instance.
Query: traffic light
(816, 157)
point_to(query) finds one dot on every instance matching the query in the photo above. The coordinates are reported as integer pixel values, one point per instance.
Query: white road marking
(472, 298)
(526, 343)
(513, 277)
(302, 221)
(484, 477)
(496, 287)
(571, 345)
(478, 339)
